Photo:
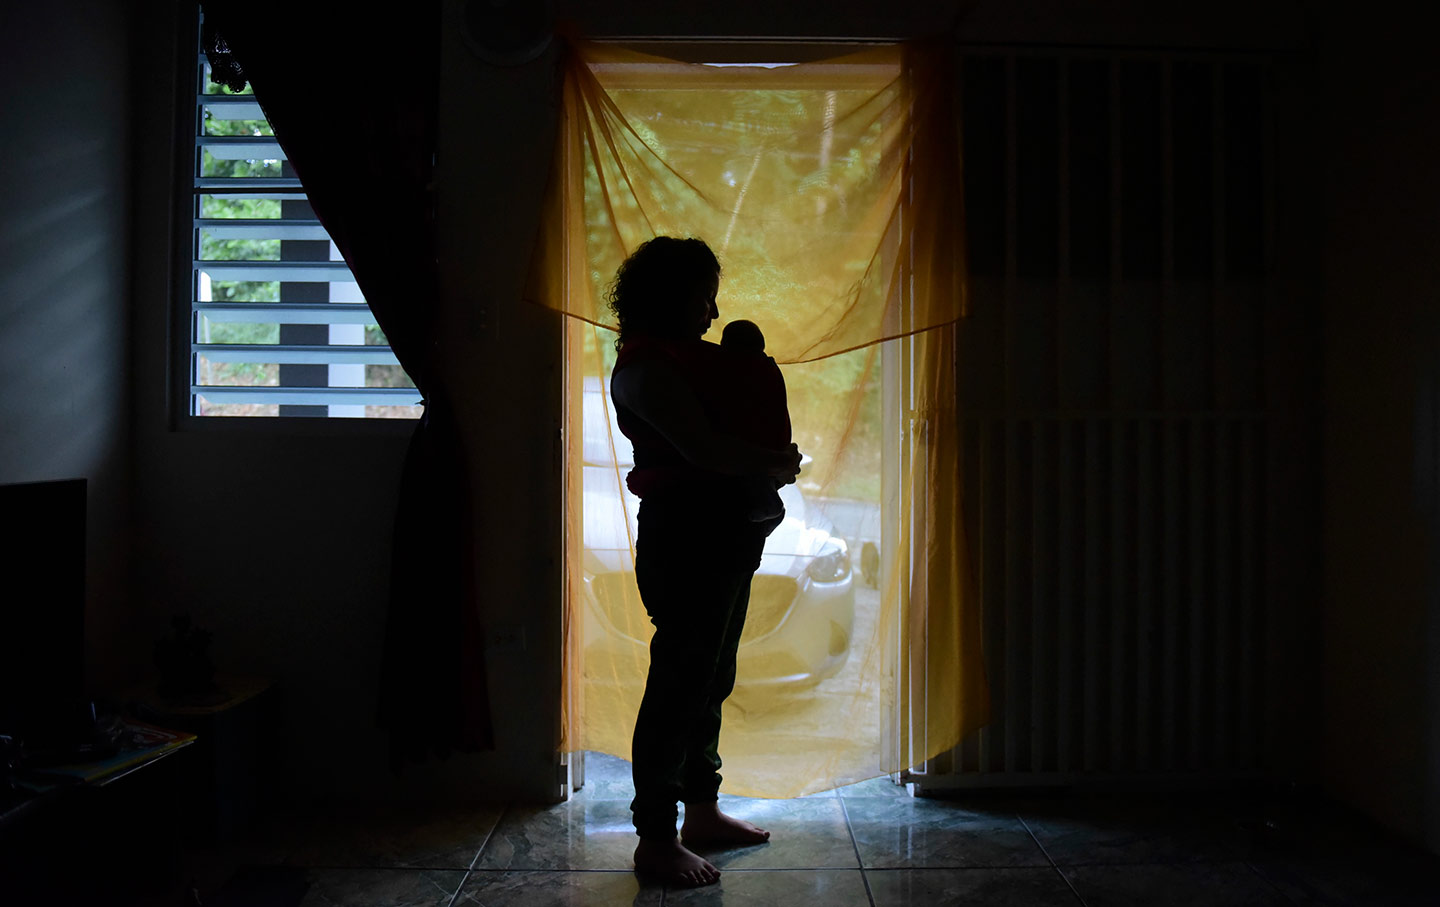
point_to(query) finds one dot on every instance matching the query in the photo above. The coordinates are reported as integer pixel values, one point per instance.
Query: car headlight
(832, 564)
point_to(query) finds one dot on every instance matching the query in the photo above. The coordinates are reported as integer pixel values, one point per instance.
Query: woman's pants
(693, 564)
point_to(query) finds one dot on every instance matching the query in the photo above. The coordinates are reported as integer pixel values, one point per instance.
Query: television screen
(42, 607)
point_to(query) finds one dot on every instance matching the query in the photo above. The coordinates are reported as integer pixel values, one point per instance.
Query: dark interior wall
(1380, 123)
(277, 538)
(276, 535)
(274, 538)
(64, 280)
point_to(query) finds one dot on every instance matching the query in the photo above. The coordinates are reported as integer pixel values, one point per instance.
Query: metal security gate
(1115, 410)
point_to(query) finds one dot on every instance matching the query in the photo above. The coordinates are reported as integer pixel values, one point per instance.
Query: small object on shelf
(187, 675)
(140, 743)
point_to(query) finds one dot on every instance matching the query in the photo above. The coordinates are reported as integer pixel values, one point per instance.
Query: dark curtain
(353, 100)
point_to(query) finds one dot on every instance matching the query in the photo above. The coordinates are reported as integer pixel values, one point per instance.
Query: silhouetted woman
(696, 549)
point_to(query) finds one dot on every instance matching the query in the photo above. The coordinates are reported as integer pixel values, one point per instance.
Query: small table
(102, 828)
(227, 777)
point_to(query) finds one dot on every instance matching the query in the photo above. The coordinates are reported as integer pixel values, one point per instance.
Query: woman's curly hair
(644, 293)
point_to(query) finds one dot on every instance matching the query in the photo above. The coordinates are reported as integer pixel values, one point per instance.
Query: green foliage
(238, 332)
(213, 87)
(245, 291)
(250, 208)
(386, 376)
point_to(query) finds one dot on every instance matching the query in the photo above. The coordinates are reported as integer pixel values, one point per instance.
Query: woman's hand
(787, 470)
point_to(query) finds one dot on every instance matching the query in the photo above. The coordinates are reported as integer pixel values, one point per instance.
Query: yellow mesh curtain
(830, 193)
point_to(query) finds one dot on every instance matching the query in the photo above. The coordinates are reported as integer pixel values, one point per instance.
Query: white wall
(64, 281)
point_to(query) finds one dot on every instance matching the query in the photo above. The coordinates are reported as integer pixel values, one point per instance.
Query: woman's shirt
(735, 398)
(659, 465)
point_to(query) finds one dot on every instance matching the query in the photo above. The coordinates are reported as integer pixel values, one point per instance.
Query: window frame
(189, 66)
(896, 371)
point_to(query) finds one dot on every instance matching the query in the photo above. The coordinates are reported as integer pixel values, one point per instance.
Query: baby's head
(743, 337)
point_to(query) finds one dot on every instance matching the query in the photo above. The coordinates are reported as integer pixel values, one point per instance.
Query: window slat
(232, 107)
(241, 148)
(310, 396)
(261, 228)
(289, 271)
(286, 313)
(296, 353)
(249, 186)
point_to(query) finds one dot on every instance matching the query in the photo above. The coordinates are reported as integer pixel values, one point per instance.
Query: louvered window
(277, 324)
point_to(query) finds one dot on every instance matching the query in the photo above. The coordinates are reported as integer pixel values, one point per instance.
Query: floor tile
(390, 836)
(1172, 885)
(207, 867)
(819, 794)
(1085, 830)
(1350, 882)
(578, 834)
(828, 887)
(607, 777)
(808, 833)
(557, 889)
(875, 787)
(896, 833)
(381, 887)
(272, 886)
(1317, 854)
(1028, 887)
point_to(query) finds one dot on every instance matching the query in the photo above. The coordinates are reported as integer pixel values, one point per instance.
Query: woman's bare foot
(667, 860)
(706, 824)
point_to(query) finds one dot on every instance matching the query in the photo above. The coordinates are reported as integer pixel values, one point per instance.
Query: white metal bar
(1224, 598)
(1146, 593)
(287, 187)
(1252, 521)
(1217, 232)
(1116, 600)
(232, 107)
(241, 147)
(1127, 592)
(295, 354)
(1010, 725)
(1042, 599)
(222, 228)
(1009, 696)
(991, 551)
(1172, 581)
(1197, 651)
(1093, 641)
(286, 313)
(1071, 545)
(1062, 255)
(309, 396)
(289, 271)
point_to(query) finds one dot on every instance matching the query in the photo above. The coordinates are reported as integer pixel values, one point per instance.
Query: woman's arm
(654, 392)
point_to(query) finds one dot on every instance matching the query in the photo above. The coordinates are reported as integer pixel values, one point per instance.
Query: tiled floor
(870, 844)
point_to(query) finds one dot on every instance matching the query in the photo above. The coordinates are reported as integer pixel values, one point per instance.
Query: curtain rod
(740, 39)
(961, 44)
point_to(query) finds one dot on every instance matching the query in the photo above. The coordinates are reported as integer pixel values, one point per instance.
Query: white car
(802, 599)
